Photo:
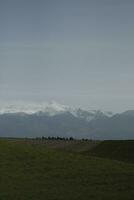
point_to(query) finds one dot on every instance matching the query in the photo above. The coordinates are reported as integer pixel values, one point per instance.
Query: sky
(76, 52)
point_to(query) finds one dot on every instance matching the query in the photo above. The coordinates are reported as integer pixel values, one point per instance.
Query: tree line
(54, 138)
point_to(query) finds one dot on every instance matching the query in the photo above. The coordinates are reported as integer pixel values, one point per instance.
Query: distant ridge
(53, 119)
(51, 109)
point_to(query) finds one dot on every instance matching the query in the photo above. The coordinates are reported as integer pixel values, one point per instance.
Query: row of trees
(59, 138)
(54, 138)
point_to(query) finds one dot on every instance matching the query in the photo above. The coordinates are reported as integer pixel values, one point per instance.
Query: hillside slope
(122, 150)
(31, 171)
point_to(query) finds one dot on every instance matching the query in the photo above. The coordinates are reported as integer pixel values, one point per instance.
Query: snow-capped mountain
(51, 109)
(53, 119)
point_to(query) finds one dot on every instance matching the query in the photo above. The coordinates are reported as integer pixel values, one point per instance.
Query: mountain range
(53, 119)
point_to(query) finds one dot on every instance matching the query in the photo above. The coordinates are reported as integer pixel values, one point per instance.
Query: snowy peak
(51, 109)
(90, 115)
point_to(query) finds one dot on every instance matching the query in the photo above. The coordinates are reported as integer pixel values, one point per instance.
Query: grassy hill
(30, 171)
(122, 150)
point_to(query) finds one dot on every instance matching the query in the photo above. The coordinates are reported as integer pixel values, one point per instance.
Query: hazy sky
(76, 52)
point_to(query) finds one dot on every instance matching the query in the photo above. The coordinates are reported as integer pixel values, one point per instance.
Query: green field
(39, 171)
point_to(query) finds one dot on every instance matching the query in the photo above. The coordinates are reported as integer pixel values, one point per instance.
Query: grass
(34, 172)
(122, 150)
(75, 146)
